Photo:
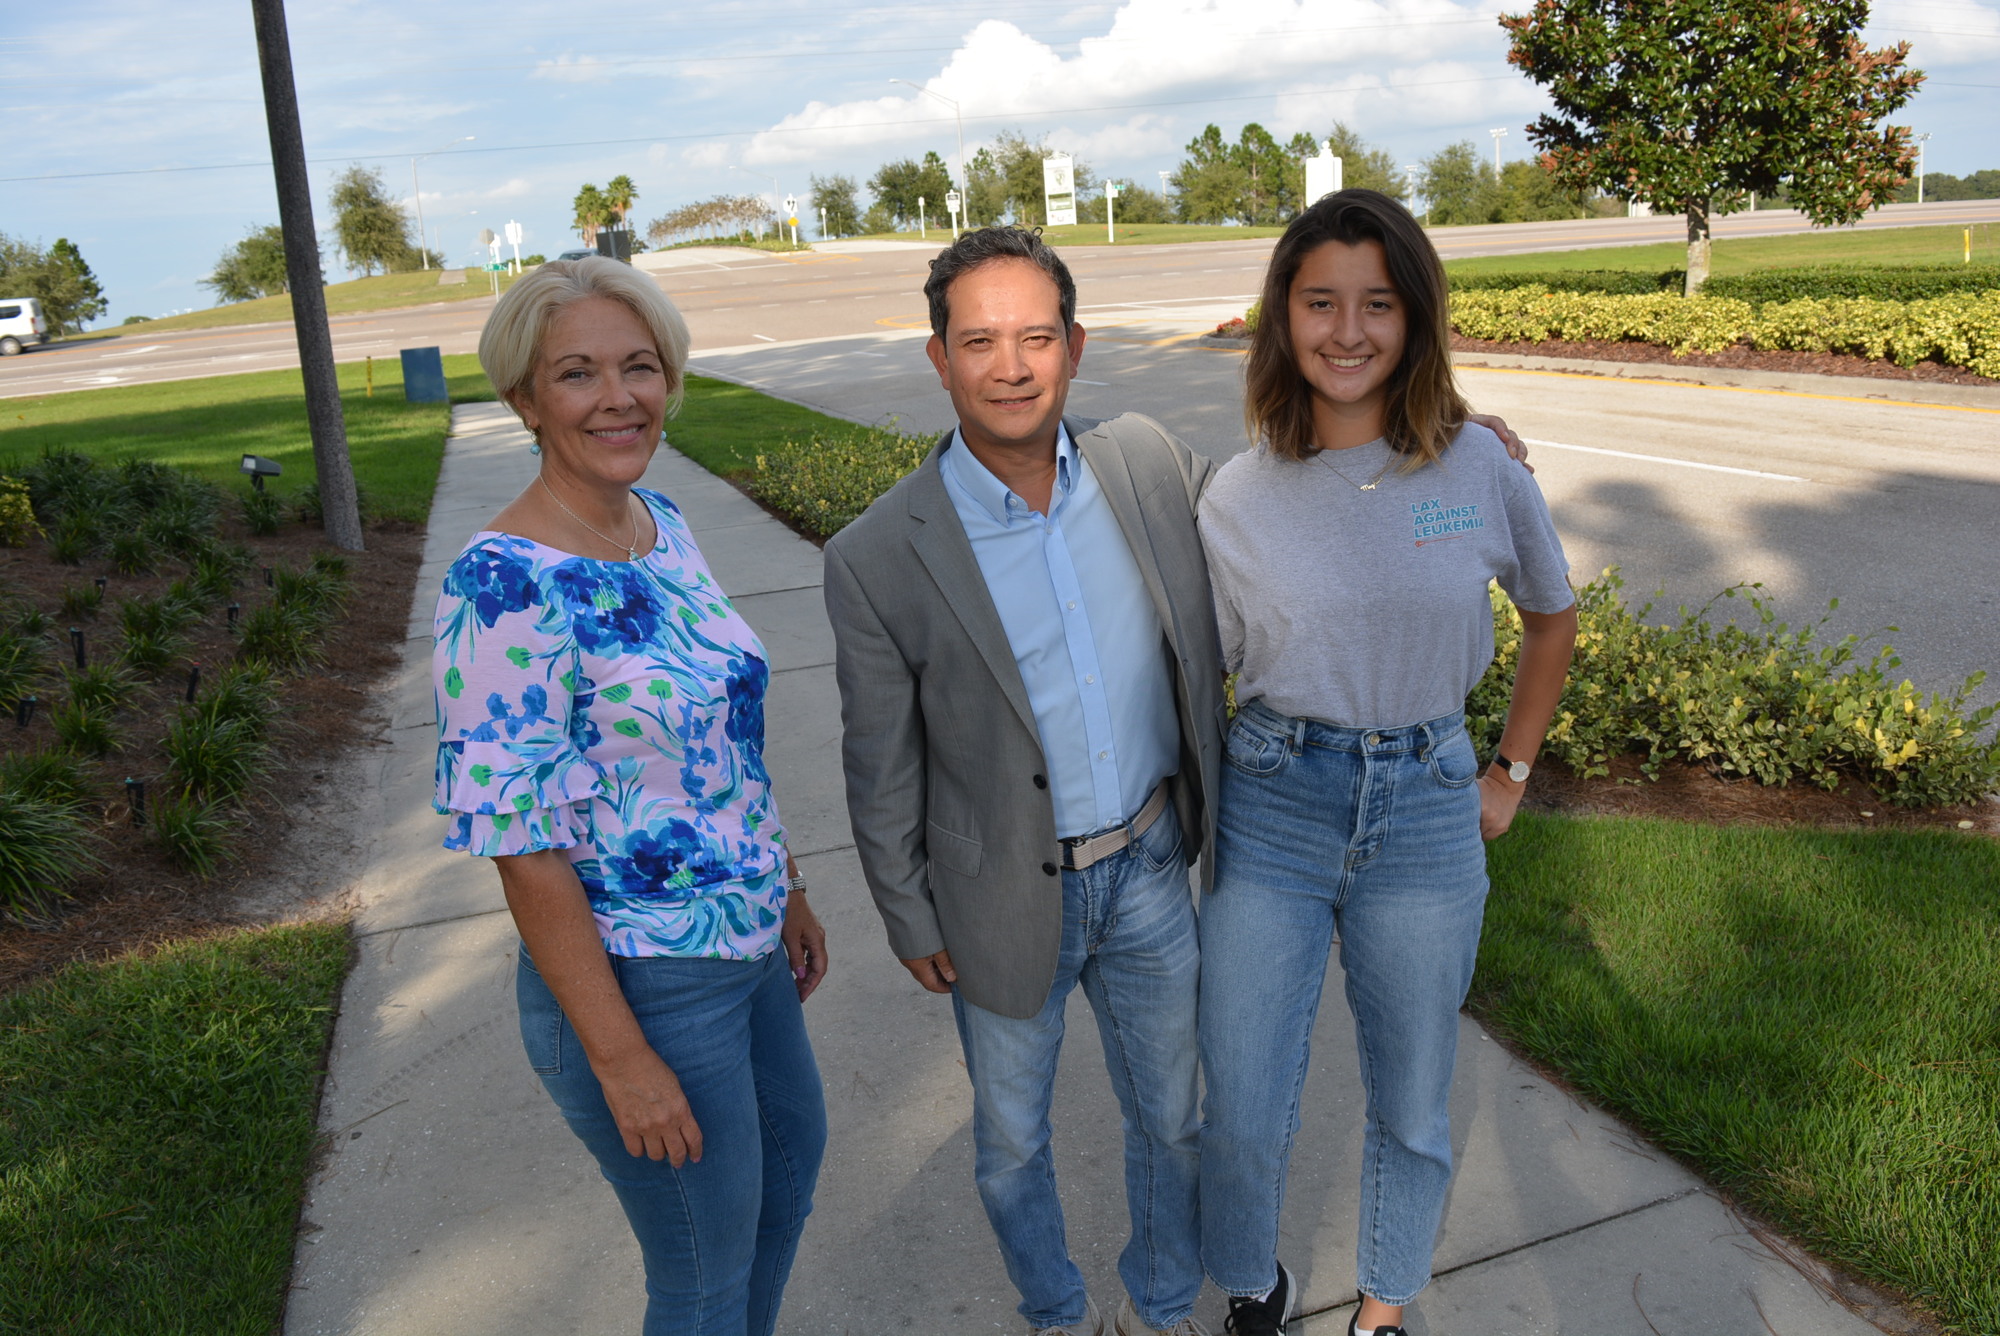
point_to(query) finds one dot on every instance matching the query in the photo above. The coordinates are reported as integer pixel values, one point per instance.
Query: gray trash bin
(423, 376)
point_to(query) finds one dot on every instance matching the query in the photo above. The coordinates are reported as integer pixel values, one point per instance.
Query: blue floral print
(614, 710)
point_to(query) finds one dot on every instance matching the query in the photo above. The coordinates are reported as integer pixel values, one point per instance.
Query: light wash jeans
(1129, 939)
(1371, 835)
(718, 1237)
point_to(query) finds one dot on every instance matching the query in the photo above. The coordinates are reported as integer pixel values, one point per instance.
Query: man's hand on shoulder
(1516, 447)
(933, 972)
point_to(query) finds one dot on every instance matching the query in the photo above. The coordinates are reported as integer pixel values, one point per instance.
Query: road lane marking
(1734, 389)
(134, 352)
(1664, 459)
(765, 337)
(1079, 380)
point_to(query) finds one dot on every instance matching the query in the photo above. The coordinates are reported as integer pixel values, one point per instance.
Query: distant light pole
(1498, 135)
(1921, 139)
(417, 190)
(1410, 185)
(772, 179)
(958, 116)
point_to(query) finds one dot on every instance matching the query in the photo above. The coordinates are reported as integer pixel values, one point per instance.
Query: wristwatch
(1516, 770)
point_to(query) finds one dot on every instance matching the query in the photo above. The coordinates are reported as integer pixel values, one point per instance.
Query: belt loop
(1430, 741)
(1298, 737)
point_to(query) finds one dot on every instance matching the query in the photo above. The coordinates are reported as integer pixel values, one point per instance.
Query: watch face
(1518, 772)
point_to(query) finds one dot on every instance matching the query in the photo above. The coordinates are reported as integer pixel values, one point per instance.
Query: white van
(21, 324)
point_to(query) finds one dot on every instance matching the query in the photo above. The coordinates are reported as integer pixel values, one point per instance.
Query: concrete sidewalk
(453, 1199)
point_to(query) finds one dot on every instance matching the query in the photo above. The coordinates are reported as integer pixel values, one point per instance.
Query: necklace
(1368, 486)
(631, 548)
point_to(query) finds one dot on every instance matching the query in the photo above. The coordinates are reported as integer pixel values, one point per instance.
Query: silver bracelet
(798, 883)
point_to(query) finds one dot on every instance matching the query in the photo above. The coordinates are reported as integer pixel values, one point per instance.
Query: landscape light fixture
(135, 795)
(99, 582)
(76, 643)
(194, 681)
(417, 191)
(260, 468)
(24, 711)
(234, 609)
(959, 117)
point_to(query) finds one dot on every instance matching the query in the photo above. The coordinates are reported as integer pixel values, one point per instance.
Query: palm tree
(619, 193)
(593, 211)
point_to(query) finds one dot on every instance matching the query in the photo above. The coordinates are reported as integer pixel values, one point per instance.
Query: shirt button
(1072, 605)
(1050, 868)
(1089, 678)
(1102, 755)
(1041, 781)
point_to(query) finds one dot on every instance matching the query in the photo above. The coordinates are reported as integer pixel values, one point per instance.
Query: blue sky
(136, 128)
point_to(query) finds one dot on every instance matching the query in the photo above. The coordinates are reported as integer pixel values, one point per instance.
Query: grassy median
(1749, 255)
(205, 426)
(156, 1118)
(1807, 1016)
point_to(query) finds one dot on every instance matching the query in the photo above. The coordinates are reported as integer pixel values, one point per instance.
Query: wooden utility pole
(339, 507)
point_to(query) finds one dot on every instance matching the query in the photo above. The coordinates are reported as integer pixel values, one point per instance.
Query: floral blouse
(614, 710)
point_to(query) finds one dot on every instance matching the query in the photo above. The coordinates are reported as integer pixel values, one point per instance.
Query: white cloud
(1943, 34)
(573, 69)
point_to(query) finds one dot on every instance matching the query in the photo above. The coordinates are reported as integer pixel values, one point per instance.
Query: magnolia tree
(1688, 105)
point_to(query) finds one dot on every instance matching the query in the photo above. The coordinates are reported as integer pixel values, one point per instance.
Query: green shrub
(1761, 701)
(826, 482)
(284, 637)
(193, 833)
(183, 522)
(63, 482)
(217, 567)
(1624, 282)
(215, 757)
(81, 602)
(133, 553)
(169, 614)
(1961, 330)
(17, 514)
(313, 595)
(263, 512)
(240, 691)
(51, 776)
(1890, 283)
(152, 652)
(72, 539)
(23, 660)
(44, 847)
(32, 622)
(85, 727)
(102, 686)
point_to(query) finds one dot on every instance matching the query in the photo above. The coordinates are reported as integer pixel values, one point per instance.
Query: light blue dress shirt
(1084, 633)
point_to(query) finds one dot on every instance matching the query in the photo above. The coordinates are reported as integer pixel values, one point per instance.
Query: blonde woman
(601, 739)
(1350, 554)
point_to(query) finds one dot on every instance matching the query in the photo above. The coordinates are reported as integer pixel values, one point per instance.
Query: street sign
(1323, 174)
(1059, 190)
(513, 231)
(791, 206)
(486, 237)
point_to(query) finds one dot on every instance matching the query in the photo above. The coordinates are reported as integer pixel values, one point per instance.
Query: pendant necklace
(1368, 486)
(631, 548)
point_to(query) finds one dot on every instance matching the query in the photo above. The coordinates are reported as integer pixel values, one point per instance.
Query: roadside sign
(486, 237)
(1059, 190)
(513, 231)
(1323, 174)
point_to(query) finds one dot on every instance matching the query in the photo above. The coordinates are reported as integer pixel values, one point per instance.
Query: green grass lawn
(722, 426)
(156, 1117)
(207, 425)
(382, 292)
(1092, 234)
(1744, 255)
(1809, 1017)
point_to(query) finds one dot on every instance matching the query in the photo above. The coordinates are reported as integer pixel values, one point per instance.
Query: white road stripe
(1663, 459)
(765, 337)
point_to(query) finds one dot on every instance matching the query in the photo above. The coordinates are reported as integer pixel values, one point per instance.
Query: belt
(1080, 851)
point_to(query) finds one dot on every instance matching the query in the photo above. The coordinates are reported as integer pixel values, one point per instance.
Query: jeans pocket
(1161, 844)
(1254, 751)
(541, 1019)
(1452, 760)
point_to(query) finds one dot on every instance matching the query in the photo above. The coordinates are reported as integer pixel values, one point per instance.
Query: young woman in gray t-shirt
(1350, 554)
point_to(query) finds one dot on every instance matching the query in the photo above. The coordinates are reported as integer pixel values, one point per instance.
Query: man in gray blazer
(1032, 697)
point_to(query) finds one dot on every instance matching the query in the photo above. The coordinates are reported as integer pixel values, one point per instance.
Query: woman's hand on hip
(805, 944)
(1499, 799)
(651, 1112)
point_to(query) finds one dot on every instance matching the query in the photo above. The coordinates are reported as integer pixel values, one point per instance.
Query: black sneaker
(1354, 1325)
(1267, 1316)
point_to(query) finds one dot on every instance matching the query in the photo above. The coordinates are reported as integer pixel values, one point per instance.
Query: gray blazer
(946, 785)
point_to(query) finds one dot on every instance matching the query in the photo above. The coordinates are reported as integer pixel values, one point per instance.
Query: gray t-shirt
(1369, 608)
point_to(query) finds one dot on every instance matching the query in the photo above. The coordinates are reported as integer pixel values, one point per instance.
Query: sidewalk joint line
(431, 923)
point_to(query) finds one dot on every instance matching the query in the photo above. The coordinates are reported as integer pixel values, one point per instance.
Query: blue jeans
(1371, 835)
(1129, 939)
(718, 1237)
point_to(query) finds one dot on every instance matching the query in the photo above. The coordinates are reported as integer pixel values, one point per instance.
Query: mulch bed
(1736, 359)
(141, 898)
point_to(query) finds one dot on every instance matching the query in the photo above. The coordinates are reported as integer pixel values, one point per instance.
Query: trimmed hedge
(1959, 330)
(1880, 282)
(1624, 282)
(1904, 283)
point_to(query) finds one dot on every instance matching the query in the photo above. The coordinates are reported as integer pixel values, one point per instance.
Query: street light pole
(1410, 171)
(1920, 164)
(1498, 135)
(418, 191)
(963, 189)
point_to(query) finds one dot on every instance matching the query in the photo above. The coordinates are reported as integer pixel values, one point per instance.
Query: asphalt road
(745, 297)
(1819, 488)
